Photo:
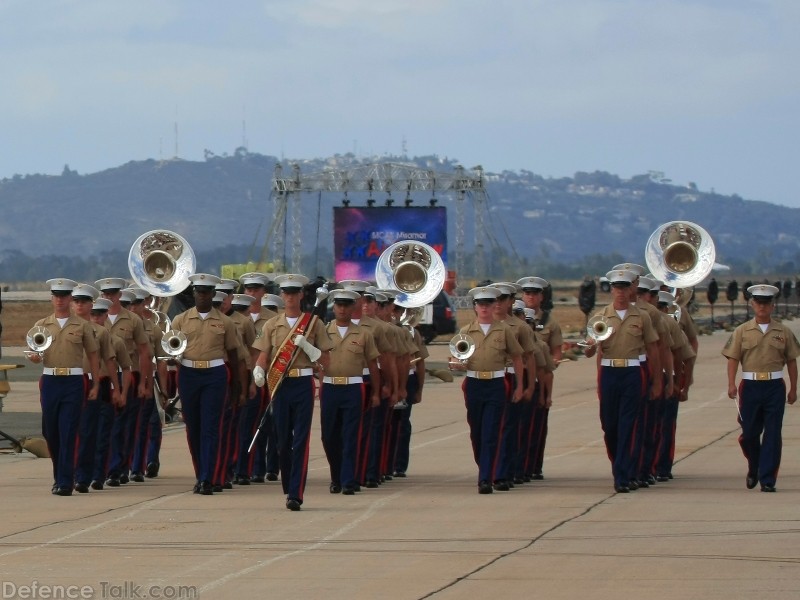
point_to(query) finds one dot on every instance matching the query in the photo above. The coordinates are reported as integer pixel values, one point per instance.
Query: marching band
(248, 367)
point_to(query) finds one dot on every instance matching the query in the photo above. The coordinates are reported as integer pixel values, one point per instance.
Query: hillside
(224, 201)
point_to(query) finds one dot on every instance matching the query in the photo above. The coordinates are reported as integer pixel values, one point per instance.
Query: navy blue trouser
(143, 431)
(202, 396)
(248, 422)
(485, 401)
(761, 404)
(88, 433)
(123, 431)
(154, 438)
(62, 398)
(509, 434)
(292, 412)
(620, 391)
(665, 453)
(399, 456)
(377, 436)
(340, 422)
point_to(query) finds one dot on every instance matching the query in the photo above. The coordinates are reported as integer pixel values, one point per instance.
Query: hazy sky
(704, 90)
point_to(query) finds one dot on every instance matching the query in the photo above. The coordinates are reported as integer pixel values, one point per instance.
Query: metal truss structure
(390, 178)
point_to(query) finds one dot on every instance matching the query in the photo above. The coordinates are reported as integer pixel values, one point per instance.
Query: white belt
(299, 372)
(642, 357)
(510, 370)
(365, 371)
(342, 380)
(62, 371)
(202, 364)
(762, 375)
(486, 374)
(619, 362)
(412, 371)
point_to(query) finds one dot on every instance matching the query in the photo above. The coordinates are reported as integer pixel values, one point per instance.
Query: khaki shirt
(130, 328)
(105, 349)
(421, 349)
(351, 353)
(523, 333)
(686, 352)
(687, 324)
(380, 331)
(121, 353)
(493, 349)
(631, 336)
(658, 319)
(551, 334)
(264, 315)
(246, 331)
(758, 351)
(69, 342)
(676, 335)
(207, 339)
(277, 330)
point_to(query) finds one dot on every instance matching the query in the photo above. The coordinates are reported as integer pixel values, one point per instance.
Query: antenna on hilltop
(405, 147)
(244, 127)
(176, 132)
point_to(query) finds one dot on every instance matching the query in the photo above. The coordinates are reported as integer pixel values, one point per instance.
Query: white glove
(311, 351)
(259, 377)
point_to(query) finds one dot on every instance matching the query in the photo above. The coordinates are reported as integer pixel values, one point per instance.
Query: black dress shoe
(97, 485)
(206, 489)
(387, 477)
(632, 486)
(357, 487)
(518, 481)
(196, 488)
(643, 483)
(651, 479)
(54, 489)
(621, 489)
(768, 488)
(63, 491)
(501, 486)
(112, 482)
(335, 488)
(371, 483)
(526, 478)
(152, 470)
(348, 491)
(81, 488)
(293, 504)
(123, 479)
(751, 482)
(242, 481)
(272, 477)
(137, 477)
(216, 488)
(400, 474)
(227, 485)
(662, 478)
(484, 487)
(537, 476)
(258, 479)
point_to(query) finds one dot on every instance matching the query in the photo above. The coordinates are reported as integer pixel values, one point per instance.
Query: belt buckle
(293, 373)
(485, 374)
(763, 376)
(619, 362)
(61, 371)
(200, 364)
(340, 380)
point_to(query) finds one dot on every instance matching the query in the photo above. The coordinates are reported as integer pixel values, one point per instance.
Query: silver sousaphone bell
(161, 262)
(412, 268)
(680, 253)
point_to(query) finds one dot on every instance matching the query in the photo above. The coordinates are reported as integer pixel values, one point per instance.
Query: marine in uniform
(203, 376)
(293, 403)
(762, 346)
(129, 327)
(549, 331)
(485, 384)
(265, 451)
(117, 381)
(83, 297)
(683, 357)
(621, 378)
(342, 391)
(62, 387)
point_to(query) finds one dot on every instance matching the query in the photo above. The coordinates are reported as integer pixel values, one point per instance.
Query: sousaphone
(680, 253)
(412, 268)
(161, 262)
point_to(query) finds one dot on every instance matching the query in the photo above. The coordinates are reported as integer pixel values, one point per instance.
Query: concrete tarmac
(431, 535)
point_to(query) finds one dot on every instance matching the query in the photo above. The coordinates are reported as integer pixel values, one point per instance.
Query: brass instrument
(414, 269)
(174, 343)
(462, 346)
(161, 262)
(598, 328)
(39, 339)
(680, 253)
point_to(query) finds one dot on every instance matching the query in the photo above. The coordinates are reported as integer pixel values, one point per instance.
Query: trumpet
(174, 343)
(39, 339)
(462, 347)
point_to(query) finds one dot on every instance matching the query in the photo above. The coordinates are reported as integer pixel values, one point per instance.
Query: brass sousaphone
(161, 262)
(680, 253)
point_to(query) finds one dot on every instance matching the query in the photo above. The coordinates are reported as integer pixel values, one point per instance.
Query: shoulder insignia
(729, 342)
